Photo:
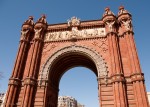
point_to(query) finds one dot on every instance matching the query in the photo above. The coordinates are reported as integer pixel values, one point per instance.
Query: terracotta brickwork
(47, 51)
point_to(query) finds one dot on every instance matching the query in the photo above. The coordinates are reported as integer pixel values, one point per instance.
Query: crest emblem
(74, 21)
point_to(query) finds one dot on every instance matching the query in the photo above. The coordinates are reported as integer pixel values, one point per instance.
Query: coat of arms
(74, 21)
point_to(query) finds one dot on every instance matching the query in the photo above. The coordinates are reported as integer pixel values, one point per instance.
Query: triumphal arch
(47, 51)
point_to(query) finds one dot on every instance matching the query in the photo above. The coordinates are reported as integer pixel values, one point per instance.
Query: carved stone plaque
(79, 34)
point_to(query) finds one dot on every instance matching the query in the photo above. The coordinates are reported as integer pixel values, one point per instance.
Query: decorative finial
(44, 16)
(29, 21)
(31, 17)
(122, 11)
(108, 12)
(121, 8)
(42, 19)
(125, 19)
(107, 9)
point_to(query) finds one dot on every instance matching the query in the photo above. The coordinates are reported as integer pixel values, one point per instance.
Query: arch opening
(81, 84)
(63, 60)
(68, 61)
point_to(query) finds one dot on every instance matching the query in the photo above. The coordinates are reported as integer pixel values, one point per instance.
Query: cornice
(64, 26)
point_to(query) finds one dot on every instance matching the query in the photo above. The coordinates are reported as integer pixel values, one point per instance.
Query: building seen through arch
(2, 98)
(80, 83)
(68, 101)
(106, 46)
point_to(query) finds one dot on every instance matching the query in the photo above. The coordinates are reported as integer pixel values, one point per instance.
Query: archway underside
(67, 61)
(62, 60)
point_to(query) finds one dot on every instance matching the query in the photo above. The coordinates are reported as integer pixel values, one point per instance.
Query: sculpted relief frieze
(74, 33)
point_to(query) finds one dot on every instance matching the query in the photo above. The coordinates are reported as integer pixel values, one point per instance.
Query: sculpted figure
(67, 35)
(56, 35)
(37, 32)
(95, 32)
(59, 35)
(24, 33)
(110, 25)
(127, 24)
(74, 32)
(52, 36)
(85, 34)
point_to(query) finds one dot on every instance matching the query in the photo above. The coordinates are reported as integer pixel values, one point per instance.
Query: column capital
(137, 77)
(14, 81)
(26, 29)
(104, 81)
(42, 83)
(112, 34)
(30, 81)
(109, 20)
(117, 78)
(110, 24)
(128, 32)
(39, 28)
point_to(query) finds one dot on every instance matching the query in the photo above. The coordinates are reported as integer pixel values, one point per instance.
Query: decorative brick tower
(47, 51)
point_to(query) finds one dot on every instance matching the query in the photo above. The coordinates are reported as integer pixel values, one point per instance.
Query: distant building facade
(148, 95)
(68, 101)
(2, 97)
(80, 105)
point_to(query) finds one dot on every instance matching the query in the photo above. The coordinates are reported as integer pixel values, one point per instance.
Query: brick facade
(105, 46)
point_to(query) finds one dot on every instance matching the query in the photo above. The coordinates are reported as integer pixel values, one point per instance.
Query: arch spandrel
(86, 51)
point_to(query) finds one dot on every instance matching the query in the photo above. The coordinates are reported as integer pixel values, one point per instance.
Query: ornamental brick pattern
(47, 51)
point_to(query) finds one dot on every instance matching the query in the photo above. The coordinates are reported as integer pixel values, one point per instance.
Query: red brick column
(115, 57)
(30, 81)
(137, 77)
(15, 80)
(117, 75)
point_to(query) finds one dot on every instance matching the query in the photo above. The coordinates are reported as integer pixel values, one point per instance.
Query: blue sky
(14, 12)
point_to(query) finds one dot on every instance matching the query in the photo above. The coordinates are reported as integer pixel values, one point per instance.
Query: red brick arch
(74, 56)
(46, 52)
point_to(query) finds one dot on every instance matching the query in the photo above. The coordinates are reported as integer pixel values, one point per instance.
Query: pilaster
(15, 80)
(52, 96)
(37, 44)
(137, 77)
(116, 67)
